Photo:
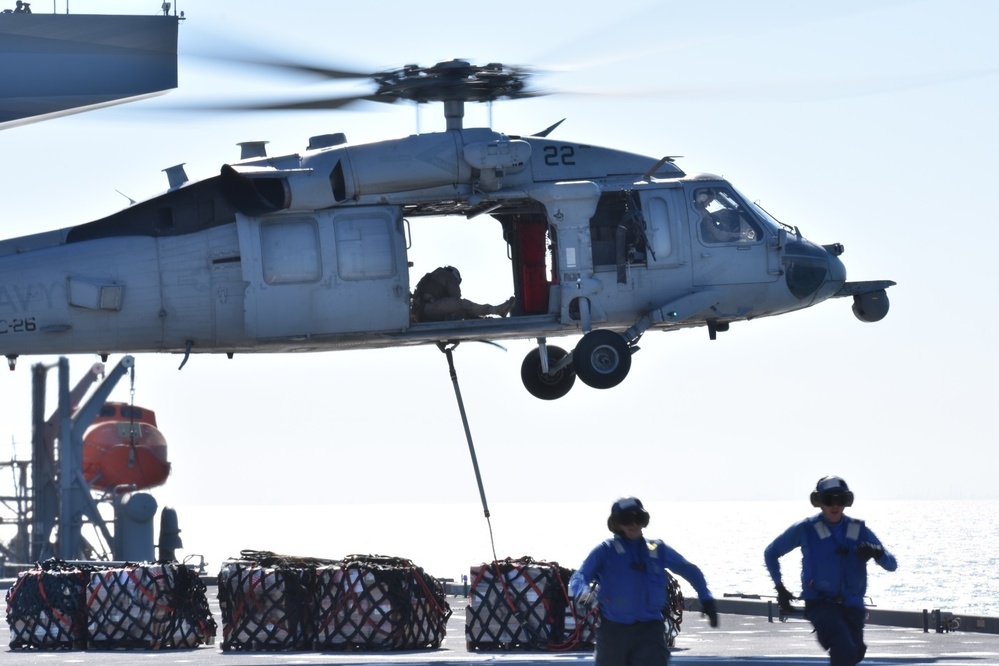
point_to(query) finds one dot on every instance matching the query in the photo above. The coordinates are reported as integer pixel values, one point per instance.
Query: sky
(870, 124)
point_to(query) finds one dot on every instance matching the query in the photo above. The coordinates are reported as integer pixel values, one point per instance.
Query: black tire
(551, 386)
(602, 359)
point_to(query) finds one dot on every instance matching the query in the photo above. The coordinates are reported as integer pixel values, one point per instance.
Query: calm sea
(948, 551)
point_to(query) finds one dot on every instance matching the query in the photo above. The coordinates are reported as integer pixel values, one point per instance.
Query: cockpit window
(723, 218)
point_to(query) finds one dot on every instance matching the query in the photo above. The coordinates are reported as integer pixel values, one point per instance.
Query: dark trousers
(840, 630)
(639, 644)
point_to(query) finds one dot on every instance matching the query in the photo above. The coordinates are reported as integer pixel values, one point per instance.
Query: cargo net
(266, 601)
(673, 612)
(275, 602)
(379, 603)
(45, 607)
(524, 604)
(148, 606)
(63, 606)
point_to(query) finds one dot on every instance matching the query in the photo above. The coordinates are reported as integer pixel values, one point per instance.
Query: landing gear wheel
(602, 359)
(552, 386)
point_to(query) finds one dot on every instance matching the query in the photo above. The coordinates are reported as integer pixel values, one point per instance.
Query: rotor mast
(454, 113)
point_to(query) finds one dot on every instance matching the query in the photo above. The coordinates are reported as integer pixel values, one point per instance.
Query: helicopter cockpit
(723, 217)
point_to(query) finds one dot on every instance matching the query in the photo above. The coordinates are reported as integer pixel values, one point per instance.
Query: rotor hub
(452, 81)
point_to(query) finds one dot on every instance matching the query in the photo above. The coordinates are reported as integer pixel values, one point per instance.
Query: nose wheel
(602, 359)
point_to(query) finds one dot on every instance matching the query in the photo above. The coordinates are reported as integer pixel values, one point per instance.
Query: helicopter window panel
(658, 221)
(364, 247)
(723, 219)
(289, 251)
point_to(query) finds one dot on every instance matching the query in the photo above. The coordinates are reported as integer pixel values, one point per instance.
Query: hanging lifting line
(131, 417)
(447, 348)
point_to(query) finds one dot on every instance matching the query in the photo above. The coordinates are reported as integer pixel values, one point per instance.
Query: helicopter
(308, 252)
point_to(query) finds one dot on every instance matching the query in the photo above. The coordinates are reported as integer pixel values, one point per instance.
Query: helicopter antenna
(131, 201)
(548, 130)
(655, 167)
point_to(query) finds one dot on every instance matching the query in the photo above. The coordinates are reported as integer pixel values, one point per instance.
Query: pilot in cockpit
(720, 223)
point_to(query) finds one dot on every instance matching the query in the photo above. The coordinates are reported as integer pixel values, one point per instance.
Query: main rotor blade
(322, 104)
(299, 68)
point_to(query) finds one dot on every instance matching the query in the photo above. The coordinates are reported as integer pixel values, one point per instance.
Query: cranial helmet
(627, 511)
(831, 490)
(454, 272)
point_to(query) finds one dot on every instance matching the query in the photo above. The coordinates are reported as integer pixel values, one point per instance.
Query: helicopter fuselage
(308, 252)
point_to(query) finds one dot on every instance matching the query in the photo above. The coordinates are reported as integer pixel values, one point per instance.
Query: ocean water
(948, 551)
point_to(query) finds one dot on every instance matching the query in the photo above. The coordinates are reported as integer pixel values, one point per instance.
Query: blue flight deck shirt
(831, 570)
(632, 578)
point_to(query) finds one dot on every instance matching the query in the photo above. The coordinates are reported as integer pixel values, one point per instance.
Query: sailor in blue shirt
(627, 575)
(834, 553)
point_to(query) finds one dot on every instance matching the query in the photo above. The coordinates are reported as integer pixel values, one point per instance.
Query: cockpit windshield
(768, 219)
(724, 219)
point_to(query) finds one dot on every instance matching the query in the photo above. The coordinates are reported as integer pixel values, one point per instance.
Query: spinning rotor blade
(304, 68)
(448, 81)
(322, 104)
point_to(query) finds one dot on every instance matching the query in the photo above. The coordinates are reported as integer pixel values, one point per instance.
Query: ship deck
(746, 635)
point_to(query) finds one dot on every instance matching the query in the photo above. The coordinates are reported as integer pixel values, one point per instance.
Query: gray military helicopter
(308, 252)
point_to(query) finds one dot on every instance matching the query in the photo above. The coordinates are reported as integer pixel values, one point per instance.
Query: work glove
(784, 598)
(867, 550)
(709, 608)
(587, 597)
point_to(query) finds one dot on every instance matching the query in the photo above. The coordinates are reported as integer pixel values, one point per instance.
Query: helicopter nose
(809, 268)
(837, 270)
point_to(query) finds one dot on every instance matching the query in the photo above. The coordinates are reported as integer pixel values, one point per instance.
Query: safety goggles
(834, 499)
(632, 518)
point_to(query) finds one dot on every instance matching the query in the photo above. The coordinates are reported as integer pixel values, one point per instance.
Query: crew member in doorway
(438, 298)
(626, 575)
(835, 550)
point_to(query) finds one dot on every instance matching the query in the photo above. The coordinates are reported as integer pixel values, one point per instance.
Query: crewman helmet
(627, 511)
(831, 491)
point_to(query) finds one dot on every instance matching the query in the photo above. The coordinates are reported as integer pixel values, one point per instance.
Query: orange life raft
(123, 447)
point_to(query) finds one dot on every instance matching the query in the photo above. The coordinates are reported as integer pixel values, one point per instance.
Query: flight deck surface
(740, 639)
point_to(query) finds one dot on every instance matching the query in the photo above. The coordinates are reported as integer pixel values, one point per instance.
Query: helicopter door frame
(324, 273)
